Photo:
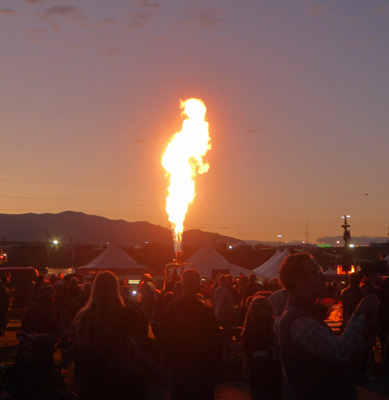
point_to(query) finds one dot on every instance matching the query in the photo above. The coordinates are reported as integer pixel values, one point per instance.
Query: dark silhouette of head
(355, 279)
(222, 280)
(190, 282)
(292, 268)
(105, 290)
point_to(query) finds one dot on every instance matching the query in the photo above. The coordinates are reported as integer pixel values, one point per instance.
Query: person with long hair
(103, 329)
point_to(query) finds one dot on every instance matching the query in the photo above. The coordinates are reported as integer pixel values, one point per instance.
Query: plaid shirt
(317, 339)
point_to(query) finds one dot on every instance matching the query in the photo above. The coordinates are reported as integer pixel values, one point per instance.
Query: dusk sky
(297, 93)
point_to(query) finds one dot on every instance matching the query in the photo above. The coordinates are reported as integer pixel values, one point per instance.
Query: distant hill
(356, 240)
(80, 228)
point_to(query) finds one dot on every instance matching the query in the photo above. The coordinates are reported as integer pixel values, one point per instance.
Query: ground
(231, 387)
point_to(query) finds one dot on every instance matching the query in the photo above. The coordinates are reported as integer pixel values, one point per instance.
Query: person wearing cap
(314, 359)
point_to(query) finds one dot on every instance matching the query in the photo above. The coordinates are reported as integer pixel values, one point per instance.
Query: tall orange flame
(183, 160)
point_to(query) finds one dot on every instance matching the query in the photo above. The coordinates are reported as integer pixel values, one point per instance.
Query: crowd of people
(181, 333)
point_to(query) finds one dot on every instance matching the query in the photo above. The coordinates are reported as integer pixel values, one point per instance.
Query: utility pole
(346, 264)
(306, 234)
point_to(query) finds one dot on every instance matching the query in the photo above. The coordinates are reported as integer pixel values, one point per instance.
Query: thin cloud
(111, 51)
(62, 11)
(145, 10)
(139, 18)
(7, 11)
(360, 42)
(251, 131)
(206, 18)
(35, 1)
(37, 31)
(106, 21)
(139, 140)
(382, 9)
(147, 4)
(315, 10)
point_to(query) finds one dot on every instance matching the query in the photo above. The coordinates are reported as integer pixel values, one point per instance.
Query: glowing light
(55, 241)
(183, 160)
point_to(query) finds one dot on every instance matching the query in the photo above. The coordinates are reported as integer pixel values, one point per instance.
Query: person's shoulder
(185, 305)
(182, 301)
(279, 293)
(173, 306)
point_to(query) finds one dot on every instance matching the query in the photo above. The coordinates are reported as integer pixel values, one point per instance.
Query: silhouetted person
(148, 295)
(261, 351)
(232, 287)
(350, 297)
(251, 288)
(314, 359)
(74, 300)
(223, 304)
(190, 342)
(41, 316)
(35, 288)
(5, 302)
(278, 301)
(383, 319)
(242, 282)
(105, 329)
(274, 285)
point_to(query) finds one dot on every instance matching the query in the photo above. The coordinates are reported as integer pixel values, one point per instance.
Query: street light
(346, 237)
(279, 240)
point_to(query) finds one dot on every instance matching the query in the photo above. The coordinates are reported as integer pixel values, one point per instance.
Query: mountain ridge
(80, 228)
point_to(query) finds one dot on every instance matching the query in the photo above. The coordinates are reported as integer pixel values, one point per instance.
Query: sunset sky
(297, 93)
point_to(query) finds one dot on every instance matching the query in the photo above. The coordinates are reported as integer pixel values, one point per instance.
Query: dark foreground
(379, 390)
(232, 385)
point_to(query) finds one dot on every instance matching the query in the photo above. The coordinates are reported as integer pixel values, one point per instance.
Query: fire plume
(183, 160)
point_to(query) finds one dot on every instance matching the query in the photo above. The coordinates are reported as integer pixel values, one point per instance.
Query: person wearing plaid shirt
(314, 359)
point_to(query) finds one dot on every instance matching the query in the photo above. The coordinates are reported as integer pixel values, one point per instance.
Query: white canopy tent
(269, 262)
(114, 259)
(271, 268)
(209, 262)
